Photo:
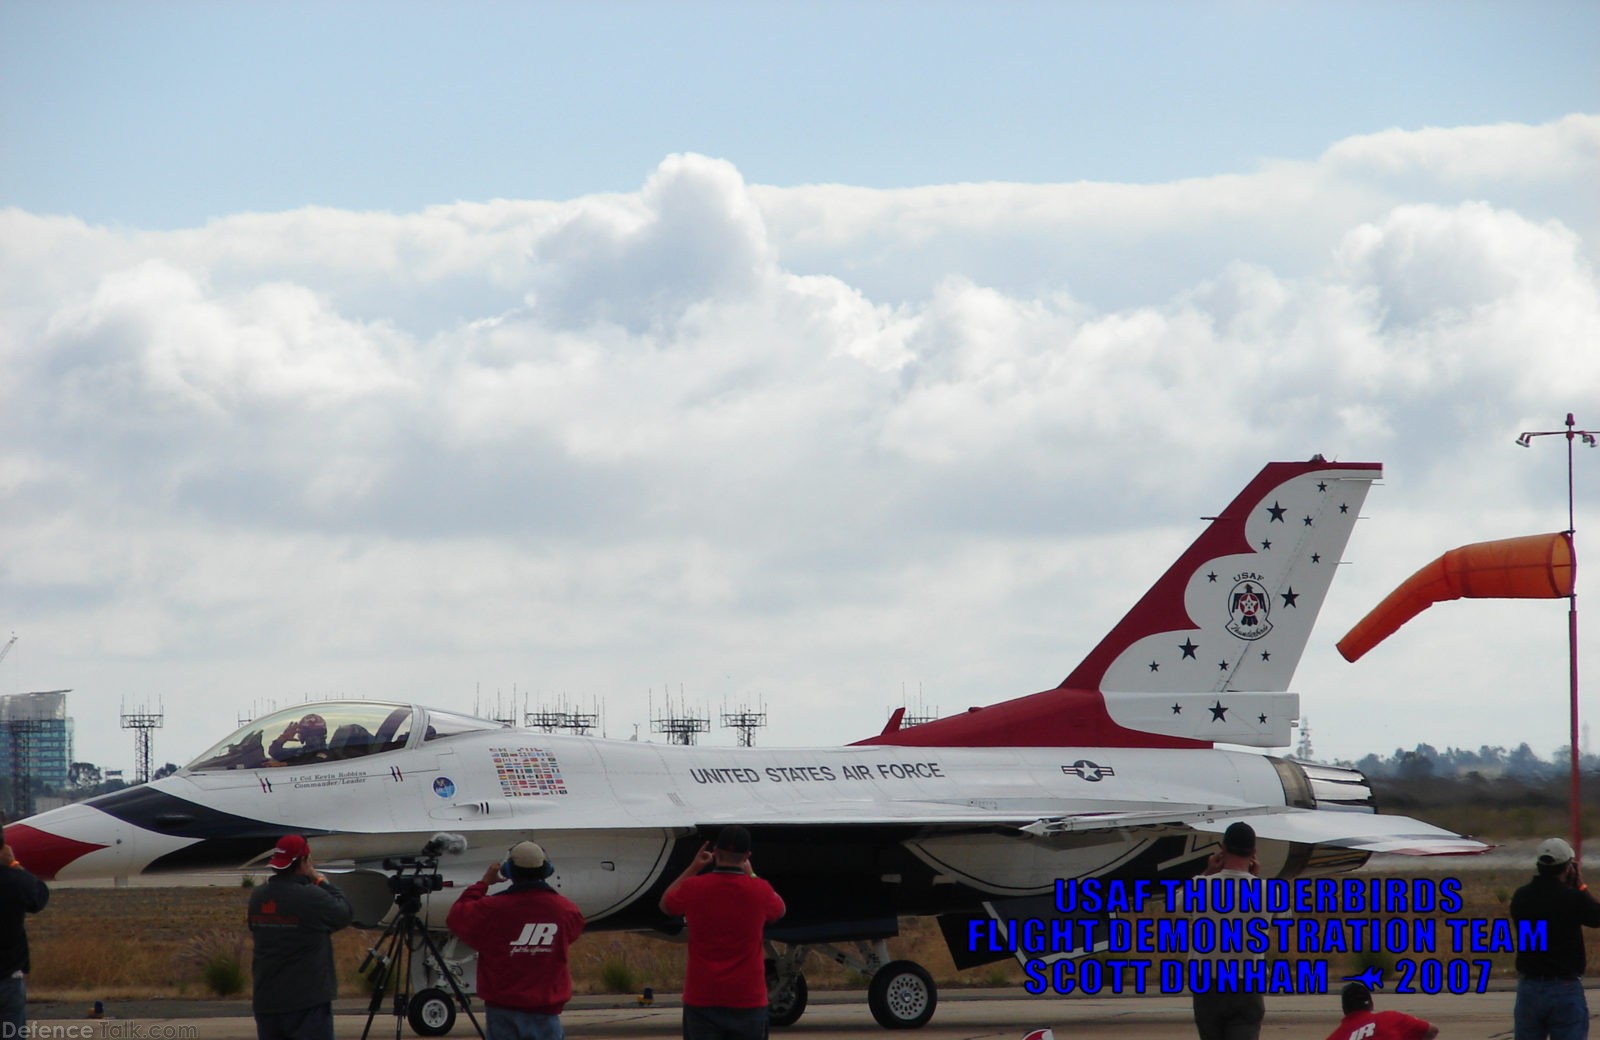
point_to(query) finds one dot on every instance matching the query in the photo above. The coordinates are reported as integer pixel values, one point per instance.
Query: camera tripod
(431, 1011)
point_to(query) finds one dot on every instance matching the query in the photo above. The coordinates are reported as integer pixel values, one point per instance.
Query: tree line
(1426, 762)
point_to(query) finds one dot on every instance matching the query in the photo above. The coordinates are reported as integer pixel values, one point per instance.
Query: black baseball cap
(1355, 997)
(1239, 839)
(733, 838)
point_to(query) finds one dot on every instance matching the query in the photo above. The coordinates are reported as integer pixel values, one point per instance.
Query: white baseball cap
(528, 858)
(1553, 852)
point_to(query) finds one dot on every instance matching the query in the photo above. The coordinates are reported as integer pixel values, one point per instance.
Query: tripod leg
(402, 986)
(384, 957)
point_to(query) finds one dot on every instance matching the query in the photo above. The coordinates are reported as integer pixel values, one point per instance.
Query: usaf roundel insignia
(1090, 771)
(1248, 605)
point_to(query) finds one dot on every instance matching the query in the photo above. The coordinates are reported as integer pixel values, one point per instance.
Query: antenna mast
(142, 722)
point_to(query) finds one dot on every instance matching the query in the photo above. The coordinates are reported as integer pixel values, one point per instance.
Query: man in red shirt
(1362, 1023)
(521, 935)
(726, 909)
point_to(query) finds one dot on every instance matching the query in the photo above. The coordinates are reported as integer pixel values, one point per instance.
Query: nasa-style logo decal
(444, 787)
(1088, 770)
(1248, 605)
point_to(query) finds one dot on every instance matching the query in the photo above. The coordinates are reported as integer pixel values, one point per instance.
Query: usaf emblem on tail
(1248, 605)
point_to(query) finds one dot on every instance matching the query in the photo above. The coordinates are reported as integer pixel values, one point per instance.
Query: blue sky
(803, 353)
(163, 115)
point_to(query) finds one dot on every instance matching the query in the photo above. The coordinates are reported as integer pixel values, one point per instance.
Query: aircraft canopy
(315, 732)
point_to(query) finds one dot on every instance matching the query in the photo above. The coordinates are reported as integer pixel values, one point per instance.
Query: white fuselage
(609, 812)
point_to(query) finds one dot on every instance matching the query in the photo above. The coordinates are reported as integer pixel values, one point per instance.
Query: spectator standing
(21, 894)
(1550, 999)
(1219, 1014)
(292, 918)
(522, 935)
(726, 909)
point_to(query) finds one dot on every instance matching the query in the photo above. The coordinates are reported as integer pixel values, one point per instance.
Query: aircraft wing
(1356, 831)
(1360, 832)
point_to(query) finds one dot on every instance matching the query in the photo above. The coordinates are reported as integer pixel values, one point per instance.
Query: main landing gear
(901, 995)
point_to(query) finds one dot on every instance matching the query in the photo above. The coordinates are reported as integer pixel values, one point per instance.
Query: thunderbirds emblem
(1248, 604)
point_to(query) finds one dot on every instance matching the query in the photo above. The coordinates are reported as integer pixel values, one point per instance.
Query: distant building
(35, 747)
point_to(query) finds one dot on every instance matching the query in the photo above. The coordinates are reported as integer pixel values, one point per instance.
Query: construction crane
(4, 650)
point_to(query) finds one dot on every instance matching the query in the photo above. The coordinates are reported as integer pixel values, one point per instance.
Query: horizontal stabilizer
(1250, 719)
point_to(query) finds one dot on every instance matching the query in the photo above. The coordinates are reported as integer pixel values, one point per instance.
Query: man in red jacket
(726, 910)
(522, 935)
(1362, 1023)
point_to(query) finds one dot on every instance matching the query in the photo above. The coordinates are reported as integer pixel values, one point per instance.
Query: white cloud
(692, 236)
(808, 443)
(1465, 157)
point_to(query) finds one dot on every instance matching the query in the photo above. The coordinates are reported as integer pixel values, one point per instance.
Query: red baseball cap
(291, 849)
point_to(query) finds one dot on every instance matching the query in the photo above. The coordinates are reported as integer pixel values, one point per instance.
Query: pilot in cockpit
(311, 732)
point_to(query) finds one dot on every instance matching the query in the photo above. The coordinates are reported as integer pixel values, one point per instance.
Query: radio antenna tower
(746, 722)
(563, 716)
(579, 721)
(142, 722)
(1302, 750)
(680, 729)
(922, 714)
(547, 719)
(499, 712)
(256, 711)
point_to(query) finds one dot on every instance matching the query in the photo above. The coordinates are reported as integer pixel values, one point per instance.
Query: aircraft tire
(432, 1012)
(902, 995)
(786, 1012)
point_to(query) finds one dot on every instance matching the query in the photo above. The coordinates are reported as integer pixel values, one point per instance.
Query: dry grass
(129, 943)
(132, 943)
(122, 944)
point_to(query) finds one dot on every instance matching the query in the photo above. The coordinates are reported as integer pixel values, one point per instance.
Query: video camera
(406, 877)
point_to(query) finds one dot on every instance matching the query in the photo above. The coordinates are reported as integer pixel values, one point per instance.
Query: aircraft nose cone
(43, 853)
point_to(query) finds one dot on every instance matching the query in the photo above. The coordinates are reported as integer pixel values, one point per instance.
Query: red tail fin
(1231, 617)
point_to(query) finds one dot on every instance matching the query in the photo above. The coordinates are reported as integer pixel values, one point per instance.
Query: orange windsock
(1537, 566)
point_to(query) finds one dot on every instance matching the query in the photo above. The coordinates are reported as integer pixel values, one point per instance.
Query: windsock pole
(1574, 795)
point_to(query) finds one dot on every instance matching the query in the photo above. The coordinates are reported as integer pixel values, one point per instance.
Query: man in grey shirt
(292, 918)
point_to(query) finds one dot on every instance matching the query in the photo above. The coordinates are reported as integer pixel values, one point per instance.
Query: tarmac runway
(976, 1014)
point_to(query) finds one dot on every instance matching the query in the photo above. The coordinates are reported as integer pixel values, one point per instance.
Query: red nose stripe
(43, 853)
